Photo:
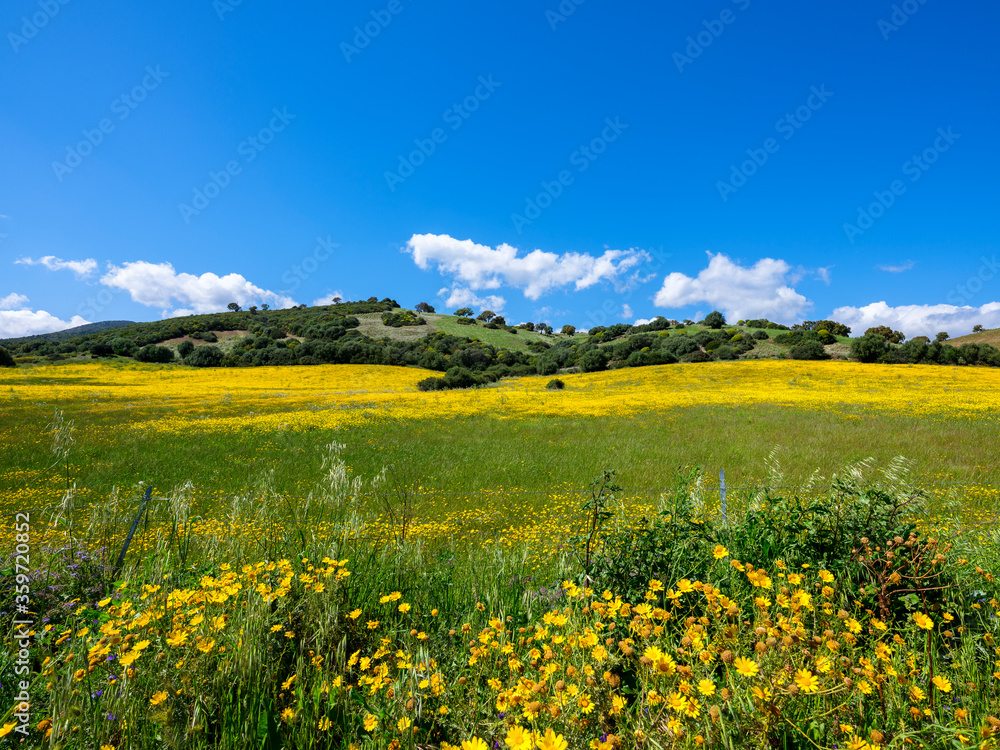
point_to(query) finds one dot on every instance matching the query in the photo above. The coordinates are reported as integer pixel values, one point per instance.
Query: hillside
(991, 337)
(70, 333)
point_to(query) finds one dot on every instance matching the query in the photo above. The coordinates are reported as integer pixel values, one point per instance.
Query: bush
(696, 356)
(185, 348)
(760, 335)
(154, 353)
(809, 350)
(205, 356)
(555, 385)
(466, 322)
(725, 352)
(124, 347)
(715, 319)
(401, 319)
(869, 347)
(594, 360)
(547, 366)
(6, 358)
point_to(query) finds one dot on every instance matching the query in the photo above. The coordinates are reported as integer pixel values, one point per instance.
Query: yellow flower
(354, 614)
(923, 621)
(372, 624)
(916, 694)
(474, 744)
(107, 747)
(371, 722)
(158, 698)
(403, 724)
(551, 741)
(287, 715)
(807, 681)
(80, 674)
(826, 576)
(519, 738)
(104, 602)
(719, 552)
(324, 724)
(942, 684)
(746, 667)
(7, 729)
(706, 687)
(404, 608)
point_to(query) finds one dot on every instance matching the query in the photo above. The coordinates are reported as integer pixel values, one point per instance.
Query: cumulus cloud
(17, 320)
(761, 291)
(642, 321)
(475, 267)
(919, 320)
(159, 285)
(327, 299)
(627, 311)
(80, 268)
(897, 268)
(13, 301)
(459, 296)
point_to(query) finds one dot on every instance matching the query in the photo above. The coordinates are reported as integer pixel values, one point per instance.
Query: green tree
(185, 348)
(893, 337)
(463, 312)
(6, 358)
(943, 336)
(424, 307)
(233, 307)
(486, 316)
(869, 348)
(715, 319)
(977, 329)
(594, 360)
(568, 330)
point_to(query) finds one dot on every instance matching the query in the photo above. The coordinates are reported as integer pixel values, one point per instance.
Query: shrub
(547, 366)
(185, 348)
(760, 335)
(555, 385)
(154, 353)
(124, 347)
(715, 319)
(696, 356)
(6, 358)
(725, 352)
(205, 356)
(401, 319)
(869, 348)
(809, 350)
(466, 322)
(568, 330)
(594, 360)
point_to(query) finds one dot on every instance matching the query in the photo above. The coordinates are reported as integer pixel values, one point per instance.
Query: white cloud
(478, 267)
(13, 301)
(896, 269)
(459, 296)
(159, 285)
(80, 268)
(626, 311)
(760, 291)
(919, 320)
(23, 322)
(642, 321)
(327, 299)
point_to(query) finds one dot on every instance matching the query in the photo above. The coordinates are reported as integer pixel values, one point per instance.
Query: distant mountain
(71, 333)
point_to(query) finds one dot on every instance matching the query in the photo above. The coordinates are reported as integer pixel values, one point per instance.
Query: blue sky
(576, 162)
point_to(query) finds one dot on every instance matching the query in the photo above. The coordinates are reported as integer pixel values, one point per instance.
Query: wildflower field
(328, 557)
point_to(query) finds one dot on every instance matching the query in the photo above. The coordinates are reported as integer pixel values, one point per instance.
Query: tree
(527, 326)
(809, 350)
(265, 307)
(205, 356)
(594, 360)
(942, 336)
(715, 319)
(499, 320)
(893, 337)
(869, 348)
(424, 307)
(977, 329)
(253, 309)
(6, 358)
(337, 300)
(463, 312)
(486, 315)
(233, 307)
(568, 330)
(154, 353)
(543, 328)
(185, 348)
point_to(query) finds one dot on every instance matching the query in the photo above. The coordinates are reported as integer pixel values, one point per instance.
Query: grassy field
(333, 558)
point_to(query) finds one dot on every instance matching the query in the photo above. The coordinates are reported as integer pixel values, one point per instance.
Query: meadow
(331, 557)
